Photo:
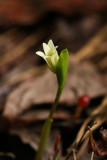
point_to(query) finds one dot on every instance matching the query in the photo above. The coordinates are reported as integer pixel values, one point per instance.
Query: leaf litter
(82, 79)
(78, 83)
(35, 92)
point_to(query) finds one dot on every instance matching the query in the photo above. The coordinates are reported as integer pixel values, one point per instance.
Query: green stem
(55, 102)
(47, 127)
(43, 139)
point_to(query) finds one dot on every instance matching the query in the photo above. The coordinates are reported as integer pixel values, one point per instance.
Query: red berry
(84, 101)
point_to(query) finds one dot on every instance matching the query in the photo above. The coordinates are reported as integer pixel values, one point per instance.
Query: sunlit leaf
(62, 68)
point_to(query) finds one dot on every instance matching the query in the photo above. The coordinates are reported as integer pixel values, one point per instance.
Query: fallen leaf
(92, 144)
(103, 133)
(31, 135)
(33, 116)
(82, 78)
(102, 147)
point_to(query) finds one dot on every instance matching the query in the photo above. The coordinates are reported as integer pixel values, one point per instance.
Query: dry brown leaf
(32, 11)
(31, 135)
(92, 144)
(33, 116)
(102, 147)
(82, 79)
(42, 114)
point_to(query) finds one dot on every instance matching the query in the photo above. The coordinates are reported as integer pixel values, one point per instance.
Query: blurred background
(27, 88)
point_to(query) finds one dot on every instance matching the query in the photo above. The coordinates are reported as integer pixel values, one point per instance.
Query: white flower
(50, 55)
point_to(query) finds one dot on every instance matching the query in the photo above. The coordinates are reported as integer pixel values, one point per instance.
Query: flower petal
(46, 49)
(51, 45)
(40, 54)
(49, 62)
(50, 55)
(54, 59)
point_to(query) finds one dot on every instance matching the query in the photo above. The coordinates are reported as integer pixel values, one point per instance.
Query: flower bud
(50, 55)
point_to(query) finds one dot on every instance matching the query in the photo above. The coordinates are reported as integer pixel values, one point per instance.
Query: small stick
(88, 50)
(22, 47)
(92, 155)
(74, 155)
(82, 148)
(8, 154)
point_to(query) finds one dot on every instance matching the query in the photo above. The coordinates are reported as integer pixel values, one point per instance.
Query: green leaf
(61, 69)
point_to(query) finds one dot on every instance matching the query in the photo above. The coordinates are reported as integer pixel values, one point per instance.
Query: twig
(74, 155)
(92, 155)
(101, 108)
(89, 49)
(22, 47)
(82, 132)
(83, 147)
(7, 154)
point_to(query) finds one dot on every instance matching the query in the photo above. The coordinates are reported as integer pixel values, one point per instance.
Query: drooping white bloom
(50, 55)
